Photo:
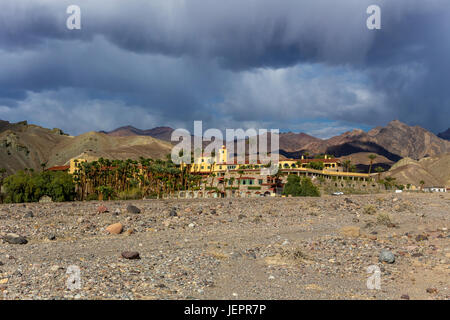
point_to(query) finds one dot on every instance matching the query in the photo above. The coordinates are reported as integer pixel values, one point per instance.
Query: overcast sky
(300, 65)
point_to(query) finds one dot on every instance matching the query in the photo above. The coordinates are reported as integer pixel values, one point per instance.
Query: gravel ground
(268, 248)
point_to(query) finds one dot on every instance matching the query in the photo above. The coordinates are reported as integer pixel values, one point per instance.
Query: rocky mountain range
(24, 145)
(394, 142)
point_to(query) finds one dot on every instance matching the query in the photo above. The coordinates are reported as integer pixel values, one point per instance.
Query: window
(260, 181)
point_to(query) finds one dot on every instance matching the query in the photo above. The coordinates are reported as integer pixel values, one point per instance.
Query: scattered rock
(173, 213)
(432, 290)
(115, 228)
(51, 236)
(102, 209)
(13, 238)
(133, 209)
(129, 232)
(131, 255)
(29, 214)
(386, 256)
(421, 237)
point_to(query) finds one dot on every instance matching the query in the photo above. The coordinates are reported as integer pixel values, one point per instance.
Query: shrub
(369, 209)
(297, 187)
(30, 187)
(384, 219)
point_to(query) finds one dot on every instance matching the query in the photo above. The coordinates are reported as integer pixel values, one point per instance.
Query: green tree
(30, 187)
(379, 170)
(316, 165)
(422, 183)
(297, 187)
(371, 158)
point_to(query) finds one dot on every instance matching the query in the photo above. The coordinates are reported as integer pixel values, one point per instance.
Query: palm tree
(422, 183)
(379, 170)
(43, 165)
(347, 165)
(371, 158)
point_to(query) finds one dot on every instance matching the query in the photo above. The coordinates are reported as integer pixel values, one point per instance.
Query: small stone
(271, 277)
(386, 256)
(117, 212)
(102, 209)
(191, 225)
(29, 214)
(131, 255)
(55, 268)
(129, 232)
(13, 238)
(116, 228)
(404, 297)
(51, 236)
(133, 209)
(4, 281)
(173, 213)
(421, 237)
(432, 290)
(242, 216)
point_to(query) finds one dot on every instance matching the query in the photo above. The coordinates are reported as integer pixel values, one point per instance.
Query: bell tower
(223, 155)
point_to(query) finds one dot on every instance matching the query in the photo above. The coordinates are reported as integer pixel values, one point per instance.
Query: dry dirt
(276, 248)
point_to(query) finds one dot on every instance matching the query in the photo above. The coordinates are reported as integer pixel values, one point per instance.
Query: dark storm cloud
(229, 62)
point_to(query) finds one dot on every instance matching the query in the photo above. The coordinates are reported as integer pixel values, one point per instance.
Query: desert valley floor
(268, 248)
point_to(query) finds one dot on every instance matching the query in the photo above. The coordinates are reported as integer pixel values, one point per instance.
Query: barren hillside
(434, 171)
